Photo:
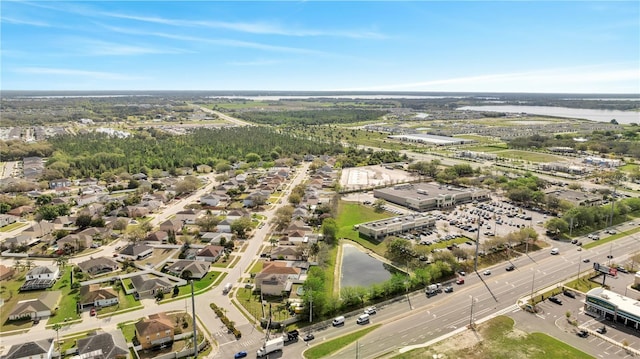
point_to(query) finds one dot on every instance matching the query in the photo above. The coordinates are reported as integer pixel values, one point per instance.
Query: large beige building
(427, 196)
(391, 226)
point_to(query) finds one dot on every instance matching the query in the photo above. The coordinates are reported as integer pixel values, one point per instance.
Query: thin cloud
(73, 72)
(261, 28)
(254, 63)
(221, 42)
(553, 78)
(103, 48)
(11, 20)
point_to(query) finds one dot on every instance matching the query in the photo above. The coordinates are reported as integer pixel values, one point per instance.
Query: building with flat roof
(431, 139)
(427, 196)
(577, 198)
(391, 226)
(613, 306)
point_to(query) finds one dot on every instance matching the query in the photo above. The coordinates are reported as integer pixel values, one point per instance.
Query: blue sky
(508, 46)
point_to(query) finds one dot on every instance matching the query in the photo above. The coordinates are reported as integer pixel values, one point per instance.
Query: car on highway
(92, 312)
(308, 337)
(448, 289)
(240, 354)
(510, 267)
(622, 269)
(460, 280)
(370, 310)
(487, 272)
(462, 273)
(555, 300)
(586, 260)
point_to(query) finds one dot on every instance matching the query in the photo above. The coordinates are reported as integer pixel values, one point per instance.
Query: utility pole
(579, 263)
(571, 227)
(475, 261)
(193, 314)
(310, 306)
(532, 283)
(471, 315)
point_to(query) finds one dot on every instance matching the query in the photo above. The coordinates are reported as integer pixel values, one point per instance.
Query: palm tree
(57, 328)
(29, 264)
(17, 264)
(62, 261)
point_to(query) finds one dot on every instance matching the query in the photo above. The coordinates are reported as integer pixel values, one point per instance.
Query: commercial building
(427, 196)
(396, 225)
(431, 139)
(577, 198)
(613, 306)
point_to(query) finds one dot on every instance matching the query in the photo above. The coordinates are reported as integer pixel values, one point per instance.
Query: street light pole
(532, 283)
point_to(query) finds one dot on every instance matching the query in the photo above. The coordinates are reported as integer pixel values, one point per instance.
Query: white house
(93, 295)
(43, 272)
(41, 349)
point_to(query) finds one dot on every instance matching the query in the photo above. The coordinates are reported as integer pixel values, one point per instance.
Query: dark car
(582, 333)
(241, 354)
(586, 260)
(555, 300)
(601, 330)
(510, 267)
(308, 337)
(569, 294)
(622, 269)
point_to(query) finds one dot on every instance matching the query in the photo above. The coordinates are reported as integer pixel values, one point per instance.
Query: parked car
(601, 330)
(622, 269)
(462, 273)
(92, 312)
(555, 300)
(569, 294)
(240, 354)
(582, 333)
(586, 260)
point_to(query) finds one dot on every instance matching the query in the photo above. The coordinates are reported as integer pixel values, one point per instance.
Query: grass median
(329, 347)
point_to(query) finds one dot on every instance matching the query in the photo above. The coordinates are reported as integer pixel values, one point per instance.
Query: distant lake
(360, 269)
(581, 113)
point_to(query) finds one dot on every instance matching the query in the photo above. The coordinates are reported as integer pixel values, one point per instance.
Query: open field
(327, 348)
(350, 214)
(498, 338)
(530, 156)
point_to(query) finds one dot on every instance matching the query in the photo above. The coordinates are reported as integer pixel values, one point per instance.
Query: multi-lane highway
(420, 319)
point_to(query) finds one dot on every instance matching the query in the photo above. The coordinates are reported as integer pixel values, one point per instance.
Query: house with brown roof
(40, 307)
(93, 295)
(155, 331)
(171, 225)
(97, 266)
(290, 253)
(149, 285)
(136, 211)
(210, 253)
(136, 251)
(76, 241)
(20, 211)
(157, 237)
(6, 272)
(276, 277)
(188, 216)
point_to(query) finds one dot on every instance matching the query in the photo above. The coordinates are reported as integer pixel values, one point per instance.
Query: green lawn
(488, 148)
(499, 341)
(326, 349)
(257, 267)
(477, 138)
(125, 302)
(9, 293)
(583, 284)
(530, 156)
(199, 284)
(67, 306)
(13, 226)
(224, 263)
(252, 303)
(350, 214)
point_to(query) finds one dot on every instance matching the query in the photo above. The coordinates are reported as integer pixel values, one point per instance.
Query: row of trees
(311, 117)
(586, 219)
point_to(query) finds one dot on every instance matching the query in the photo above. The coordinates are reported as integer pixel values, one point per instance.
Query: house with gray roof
(110, 345)
(136, 251)
(93, 295)
(41, 349)
(97, 266)
(148, 285)
(189, 268)
(40, 307)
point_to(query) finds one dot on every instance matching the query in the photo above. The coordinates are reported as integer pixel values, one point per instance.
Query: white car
(487, 272)
(370, 310)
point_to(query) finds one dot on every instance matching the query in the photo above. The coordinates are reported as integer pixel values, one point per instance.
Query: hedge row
(226, 321)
